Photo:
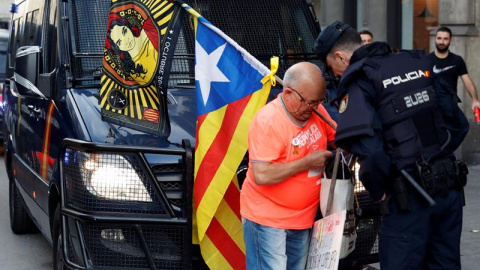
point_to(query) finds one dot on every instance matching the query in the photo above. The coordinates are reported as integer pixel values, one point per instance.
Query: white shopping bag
(343, 198)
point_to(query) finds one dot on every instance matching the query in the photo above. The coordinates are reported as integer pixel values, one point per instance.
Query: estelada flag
(139, 45)
(231, 87)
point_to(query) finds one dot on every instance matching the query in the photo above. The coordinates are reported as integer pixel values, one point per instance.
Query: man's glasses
(313, 104)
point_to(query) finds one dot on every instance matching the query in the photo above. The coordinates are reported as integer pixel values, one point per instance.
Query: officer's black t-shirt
(449, 68)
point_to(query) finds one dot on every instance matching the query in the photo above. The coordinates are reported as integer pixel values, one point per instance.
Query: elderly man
(280, 195)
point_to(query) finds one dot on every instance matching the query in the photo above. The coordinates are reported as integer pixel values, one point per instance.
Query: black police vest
(412, 123)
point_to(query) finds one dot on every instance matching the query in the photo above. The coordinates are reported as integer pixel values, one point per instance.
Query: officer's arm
(374, 165)
(359, 132)
(470, 86)
(267, 173)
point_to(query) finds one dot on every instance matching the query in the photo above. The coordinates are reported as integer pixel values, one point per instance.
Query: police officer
(390, 118)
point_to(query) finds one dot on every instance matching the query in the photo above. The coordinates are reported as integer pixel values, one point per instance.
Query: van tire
(57, 237)
(20, 221)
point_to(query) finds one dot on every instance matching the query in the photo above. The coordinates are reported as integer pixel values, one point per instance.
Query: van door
(31, 162)
(49, 133)
(22, 60)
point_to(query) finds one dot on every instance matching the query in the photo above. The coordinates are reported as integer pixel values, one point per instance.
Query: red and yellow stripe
(45, 159)
(222, 140)
(221, 136)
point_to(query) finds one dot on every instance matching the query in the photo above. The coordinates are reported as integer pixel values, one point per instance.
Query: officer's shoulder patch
(343, 104)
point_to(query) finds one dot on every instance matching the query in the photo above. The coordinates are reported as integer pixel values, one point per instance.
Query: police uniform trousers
(424, 237)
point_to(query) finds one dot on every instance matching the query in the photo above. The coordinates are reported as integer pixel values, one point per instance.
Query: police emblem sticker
(117, 99)
(343, 104)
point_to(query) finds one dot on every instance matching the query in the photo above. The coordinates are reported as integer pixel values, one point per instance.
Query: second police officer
(403, 125)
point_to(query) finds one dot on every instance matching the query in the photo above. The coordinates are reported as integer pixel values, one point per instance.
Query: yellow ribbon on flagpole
(274, 61)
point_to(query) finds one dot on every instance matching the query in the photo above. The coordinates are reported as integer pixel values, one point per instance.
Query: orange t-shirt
(292, 203)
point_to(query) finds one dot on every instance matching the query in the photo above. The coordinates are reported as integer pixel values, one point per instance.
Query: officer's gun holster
(401, 193)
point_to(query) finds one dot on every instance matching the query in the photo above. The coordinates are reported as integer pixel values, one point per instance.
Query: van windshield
(265, 28)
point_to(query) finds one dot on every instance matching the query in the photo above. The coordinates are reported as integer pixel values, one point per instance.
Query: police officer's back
(390, 117)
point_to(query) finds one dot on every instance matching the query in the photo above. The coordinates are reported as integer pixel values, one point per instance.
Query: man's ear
(286, 93)
(342, 57)
(339, 55)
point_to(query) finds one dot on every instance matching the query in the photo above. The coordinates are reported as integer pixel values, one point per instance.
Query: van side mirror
(27, 63)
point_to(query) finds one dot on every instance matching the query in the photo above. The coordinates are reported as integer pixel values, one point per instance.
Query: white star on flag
(206, 70)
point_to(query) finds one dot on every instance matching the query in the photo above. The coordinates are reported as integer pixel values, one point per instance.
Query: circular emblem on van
(117, 99)
(343, 104)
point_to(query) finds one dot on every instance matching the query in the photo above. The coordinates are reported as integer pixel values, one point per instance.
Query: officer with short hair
(390, 117)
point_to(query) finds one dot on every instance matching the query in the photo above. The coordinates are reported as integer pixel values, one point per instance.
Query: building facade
(411, 24)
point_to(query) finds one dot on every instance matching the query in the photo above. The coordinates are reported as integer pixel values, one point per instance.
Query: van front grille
(128, 246)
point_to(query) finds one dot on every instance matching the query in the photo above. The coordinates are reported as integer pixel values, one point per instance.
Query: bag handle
(335, 165)
(334, 181)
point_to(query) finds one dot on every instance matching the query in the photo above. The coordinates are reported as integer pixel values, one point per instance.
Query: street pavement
(19, 251)
(32, 251)
(470, 241)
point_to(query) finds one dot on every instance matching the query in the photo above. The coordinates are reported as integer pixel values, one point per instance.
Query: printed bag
(343, 199)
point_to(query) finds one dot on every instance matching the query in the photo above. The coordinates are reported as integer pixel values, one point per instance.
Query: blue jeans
(276, 249)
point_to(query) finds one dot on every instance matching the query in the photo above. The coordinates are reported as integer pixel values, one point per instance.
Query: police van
(104, 195)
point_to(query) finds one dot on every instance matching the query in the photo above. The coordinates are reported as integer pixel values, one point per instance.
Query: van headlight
(112, 177)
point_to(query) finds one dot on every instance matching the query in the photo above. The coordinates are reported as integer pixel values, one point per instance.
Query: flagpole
(188, 8)
(323, 117)
(199, 16)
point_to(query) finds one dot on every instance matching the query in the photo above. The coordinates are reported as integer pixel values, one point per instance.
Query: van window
(33, 29)
(19, 35)
(288, 31)
(89, 26)
(28, 20)
(50, 43)
(13, 43)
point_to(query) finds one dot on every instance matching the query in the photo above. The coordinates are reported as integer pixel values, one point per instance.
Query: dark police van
(107, 196)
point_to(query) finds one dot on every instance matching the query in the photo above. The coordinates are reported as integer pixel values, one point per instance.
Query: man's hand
(266, 173)
(383, 198)
(475, 104)
(318, 159)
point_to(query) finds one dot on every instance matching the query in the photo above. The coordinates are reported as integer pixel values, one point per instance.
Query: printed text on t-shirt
(309, 136)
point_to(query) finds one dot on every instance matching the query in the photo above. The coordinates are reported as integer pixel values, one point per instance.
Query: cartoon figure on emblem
(131, 47)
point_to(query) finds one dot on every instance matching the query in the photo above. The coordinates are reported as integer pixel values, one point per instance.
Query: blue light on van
(13, 8)
(66, 158)
(69, 155)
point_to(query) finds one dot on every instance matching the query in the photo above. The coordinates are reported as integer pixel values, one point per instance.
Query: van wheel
(20, 221)
(58, 260)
